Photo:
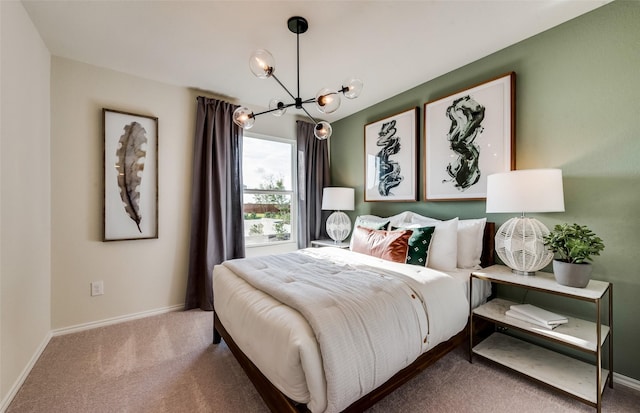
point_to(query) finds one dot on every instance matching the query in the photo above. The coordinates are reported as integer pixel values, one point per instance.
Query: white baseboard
(626, 381)
(4, 403)
(115, 320)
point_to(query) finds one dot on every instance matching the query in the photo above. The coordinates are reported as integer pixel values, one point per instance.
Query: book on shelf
(522, 317)
(539, 314)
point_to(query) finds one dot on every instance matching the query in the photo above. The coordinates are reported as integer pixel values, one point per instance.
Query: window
(269, 190)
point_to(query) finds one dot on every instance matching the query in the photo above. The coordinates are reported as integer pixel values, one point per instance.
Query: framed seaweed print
(390, 152)
(468, 136)
(130, 176)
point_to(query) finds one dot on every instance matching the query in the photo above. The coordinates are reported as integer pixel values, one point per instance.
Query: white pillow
(444, 245)
(369, 220)
(469, 240)
(456, 243)
(470, 235)
(402, 219)
(419, 219)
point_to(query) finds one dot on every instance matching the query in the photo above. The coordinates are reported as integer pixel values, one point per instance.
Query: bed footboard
(216, 335)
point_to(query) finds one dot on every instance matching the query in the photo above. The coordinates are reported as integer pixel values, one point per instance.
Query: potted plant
(574, 245)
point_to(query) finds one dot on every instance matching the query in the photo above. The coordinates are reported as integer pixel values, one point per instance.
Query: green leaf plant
(574, 244)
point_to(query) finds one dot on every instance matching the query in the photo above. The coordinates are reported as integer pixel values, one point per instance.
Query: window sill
(271, 248)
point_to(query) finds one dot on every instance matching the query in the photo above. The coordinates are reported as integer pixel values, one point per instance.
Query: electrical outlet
(97, 288)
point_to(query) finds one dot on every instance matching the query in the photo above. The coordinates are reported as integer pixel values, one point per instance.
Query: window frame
(293, 192)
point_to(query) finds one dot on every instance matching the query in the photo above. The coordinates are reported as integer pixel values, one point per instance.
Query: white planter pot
(572, 275)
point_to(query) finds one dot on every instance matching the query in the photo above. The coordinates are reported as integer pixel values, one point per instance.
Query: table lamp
(519, 241)
(338, 199)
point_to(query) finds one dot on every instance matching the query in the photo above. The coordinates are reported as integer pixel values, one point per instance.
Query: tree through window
(269, 210)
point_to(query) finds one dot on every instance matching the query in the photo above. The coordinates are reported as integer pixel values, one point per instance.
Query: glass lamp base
(520, 246)
(338, 226)
(526, 273)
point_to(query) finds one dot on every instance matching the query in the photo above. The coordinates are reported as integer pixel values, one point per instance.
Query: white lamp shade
(528, 190)
(338, 199)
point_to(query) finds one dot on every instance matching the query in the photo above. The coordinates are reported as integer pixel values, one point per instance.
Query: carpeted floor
(167, 363)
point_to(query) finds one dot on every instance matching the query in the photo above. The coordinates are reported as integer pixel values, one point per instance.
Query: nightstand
(329, 243)
(584, 381)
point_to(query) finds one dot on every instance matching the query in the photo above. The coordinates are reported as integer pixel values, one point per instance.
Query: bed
(328, 330)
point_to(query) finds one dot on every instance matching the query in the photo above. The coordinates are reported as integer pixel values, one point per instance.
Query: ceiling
(391, 45)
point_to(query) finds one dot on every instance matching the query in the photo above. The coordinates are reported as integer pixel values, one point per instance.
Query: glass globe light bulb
(327, 100)
(277, 104)
(262, 63)
(352, 87)
(323, 130)
(243, 117)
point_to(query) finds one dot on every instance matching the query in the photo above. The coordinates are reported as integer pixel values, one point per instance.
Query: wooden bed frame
(278, 402)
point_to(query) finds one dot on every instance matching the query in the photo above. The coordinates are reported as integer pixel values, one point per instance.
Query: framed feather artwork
(130, 176)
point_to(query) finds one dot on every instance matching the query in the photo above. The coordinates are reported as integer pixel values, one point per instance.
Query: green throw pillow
(418, 253)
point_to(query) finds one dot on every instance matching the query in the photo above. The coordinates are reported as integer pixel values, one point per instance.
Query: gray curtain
(216, 198)
(313, 176)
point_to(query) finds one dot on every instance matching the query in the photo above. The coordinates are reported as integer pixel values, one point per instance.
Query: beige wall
(25, 218)
(138, 275)
(51, 168)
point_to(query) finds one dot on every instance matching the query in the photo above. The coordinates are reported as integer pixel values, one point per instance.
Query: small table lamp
(519, 241)
(338, 200)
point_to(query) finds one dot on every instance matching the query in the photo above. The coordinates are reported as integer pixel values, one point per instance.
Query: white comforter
(410, 310)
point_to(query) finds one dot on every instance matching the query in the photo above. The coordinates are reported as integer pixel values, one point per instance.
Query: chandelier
(327, 101)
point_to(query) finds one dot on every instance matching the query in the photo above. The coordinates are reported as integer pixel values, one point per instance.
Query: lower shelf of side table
(562, 372)
(577, 333)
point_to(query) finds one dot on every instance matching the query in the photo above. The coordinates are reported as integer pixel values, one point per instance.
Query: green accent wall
(578, 109)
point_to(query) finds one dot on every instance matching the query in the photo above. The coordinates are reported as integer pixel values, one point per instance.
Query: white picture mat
(407, 158)
(494, 141)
